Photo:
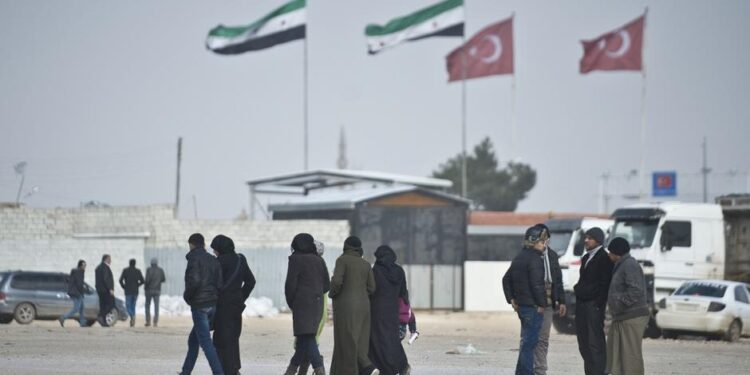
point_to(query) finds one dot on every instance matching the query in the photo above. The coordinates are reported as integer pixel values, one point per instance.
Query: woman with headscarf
(386, 351)
(238, 282)
(320, 249)
(351, 286)
(306, 282)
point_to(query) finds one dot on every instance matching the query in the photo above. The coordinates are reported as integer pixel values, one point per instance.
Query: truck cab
(683, 241)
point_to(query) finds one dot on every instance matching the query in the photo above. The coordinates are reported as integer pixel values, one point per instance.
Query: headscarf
(223, 245)
(304, 243)
(353, 243)
(386, 262)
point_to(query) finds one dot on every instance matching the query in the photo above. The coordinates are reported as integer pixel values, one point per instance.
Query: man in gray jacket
(630, 314)
(154, 278)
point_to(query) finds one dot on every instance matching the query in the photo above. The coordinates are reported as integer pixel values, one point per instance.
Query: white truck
(687, 241)
(566, 239)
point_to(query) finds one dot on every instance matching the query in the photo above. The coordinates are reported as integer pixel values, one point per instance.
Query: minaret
(342, 163)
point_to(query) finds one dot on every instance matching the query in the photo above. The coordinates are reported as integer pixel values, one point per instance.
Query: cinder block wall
(55, 239)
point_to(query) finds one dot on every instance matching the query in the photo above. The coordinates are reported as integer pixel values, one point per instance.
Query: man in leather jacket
(202, 282)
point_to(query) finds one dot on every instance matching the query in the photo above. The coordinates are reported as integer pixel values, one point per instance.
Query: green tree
(488, 187)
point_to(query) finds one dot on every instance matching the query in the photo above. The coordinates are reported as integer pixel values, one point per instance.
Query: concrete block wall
(55, 239)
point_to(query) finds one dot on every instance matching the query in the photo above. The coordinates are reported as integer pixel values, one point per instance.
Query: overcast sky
(94, 94)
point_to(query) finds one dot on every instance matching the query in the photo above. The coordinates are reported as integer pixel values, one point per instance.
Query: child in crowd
(406, 318)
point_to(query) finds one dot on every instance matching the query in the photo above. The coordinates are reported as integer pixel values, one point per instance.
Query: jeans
(155, 297)
(531, 324)
(307, 346)
(130, 304)
(77, 307)
(200, 336)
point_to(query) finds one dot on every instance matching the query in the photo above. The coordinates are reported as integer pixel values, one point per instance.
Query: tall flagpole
(642, 174)
(464, 177)
(305, 96)
(513, 129)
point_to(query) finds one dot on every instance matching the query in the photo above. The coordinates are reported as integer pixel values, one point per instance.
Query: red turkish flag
(487, 53)
(620, 49)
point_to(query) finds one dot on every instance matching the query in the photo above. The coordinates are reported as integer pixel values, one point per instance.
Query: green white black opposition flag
(284, 24)
(443, 19)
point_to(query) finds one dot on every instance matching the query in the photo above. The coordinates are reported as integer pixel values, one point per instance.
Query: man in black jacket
(202, 282)
(76, 292)
(105, 288)
(131, 280)
(523, 285)
(555, 294)
(591, 300)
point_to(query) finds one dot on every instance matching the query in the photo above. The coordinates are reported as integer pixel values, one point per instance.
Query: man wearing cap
(591, 301)
(629, 309)
(523, 286)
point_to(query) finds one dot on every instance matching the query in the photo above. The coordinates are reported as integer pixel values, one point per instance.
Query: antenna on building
(341, 162)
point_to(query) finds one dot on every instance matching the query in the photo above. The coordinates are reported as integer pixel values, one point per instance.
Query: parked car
(714, 308)
(27, 296)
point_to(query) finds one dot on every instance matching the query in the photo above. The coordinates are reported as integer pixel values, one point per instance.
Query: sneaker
(62, 322)
(375, 372)
(414, 337)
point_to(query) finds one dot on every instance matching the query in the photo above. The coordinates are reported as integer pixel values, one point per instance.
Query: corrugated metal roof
(348, 198)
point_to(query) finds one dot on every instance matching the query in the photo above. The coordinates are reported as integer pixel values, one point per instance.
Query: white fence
(483, 286)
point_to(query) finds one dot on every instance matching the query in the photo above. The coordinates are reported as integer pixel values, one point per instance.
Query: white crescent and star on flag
(497, 49)
(624, 45)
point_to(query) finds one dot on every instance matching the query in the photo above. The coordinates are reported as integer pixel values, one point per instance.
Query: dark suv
(28, 295)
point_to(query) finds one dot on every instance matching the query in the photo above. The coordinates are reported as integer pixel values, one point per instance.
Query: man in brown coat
(351, 286)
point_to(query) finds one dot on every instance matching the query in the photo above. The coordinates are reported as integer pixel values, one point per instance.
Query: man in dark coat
(154, 278)
(591, 300)
(239, 282)
(555, 294)
(76, 292)
(386, 351)
(351, 286)
(523, 285)
(105, 289)
(306, 282)
(131, 280)
(202, 282)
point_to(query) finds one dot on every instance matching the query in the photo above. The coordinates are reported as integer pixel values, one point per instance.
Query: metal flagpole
(642, 174)
(513, 129)
(464, 177)
(305, 97)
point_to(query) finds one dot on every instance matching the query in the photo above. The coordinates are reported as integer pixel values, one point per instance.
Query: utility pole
(705, 171)
(20, 169)
(179, 165)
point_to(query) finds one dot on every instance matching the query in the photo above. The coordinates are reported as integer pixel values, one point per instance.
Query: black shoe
(62, 322)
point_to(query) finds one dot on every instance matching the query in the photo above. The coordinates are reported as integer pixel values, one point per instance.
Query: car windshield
(559, 242)
(639, 233)
(702, 289)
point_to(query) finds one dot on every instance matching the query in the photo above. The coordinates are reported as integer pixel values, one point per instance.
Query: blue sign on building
(665, 184)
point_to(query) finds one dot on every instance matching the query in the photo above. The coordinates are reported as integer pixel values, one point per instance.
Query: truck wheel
(652, 330)
(564, 325)
(733, 332)
(669, 335)
(24, 313)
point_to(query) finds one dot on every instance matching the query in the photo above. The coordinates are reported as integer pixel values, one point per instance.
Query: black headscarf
(386, 261)
(223, 245)
(304, 243)
(353, 243)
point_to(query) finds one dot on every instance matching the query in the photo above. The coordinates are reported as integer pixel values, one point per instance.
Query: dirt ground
(46, 348)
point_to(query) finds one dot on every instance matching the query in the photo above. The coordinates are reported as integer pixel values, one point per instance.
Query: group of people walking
(367, 307)
(131, 279)
(609, 278)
